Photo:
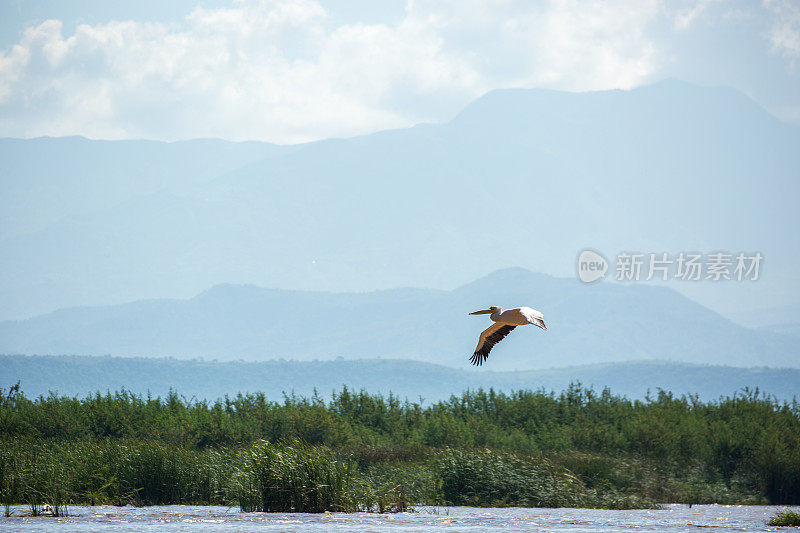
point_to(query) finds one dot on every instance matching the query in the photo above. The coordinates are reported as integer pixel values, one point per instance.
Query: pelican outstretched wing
(490, 336)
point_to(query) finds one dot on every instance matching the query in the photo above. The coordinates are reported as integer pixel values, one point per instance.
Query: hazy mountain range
(597, 323)
(520, 177)
(414, 380)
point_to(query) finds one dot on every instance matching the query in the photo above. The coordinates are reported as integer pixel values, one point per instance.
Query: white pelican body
(504, 323)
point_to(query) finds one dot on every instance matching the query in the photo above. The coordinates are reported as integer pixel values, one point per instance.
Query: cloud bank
(282, 71)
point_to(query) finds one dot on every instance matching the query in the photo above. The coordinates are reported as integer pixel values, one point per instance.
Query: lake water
(672, 518)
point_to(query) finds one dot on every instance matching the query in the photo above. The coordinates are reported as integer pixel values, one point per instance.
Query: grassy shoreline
(370, 453)
(291, 476)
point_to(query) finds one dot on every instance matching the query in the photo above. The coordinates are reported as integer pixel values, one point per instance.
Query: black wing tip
(478, 358)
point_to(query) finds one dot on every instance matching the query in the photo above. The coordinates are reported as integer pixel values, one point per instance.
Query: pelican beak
(482, 312)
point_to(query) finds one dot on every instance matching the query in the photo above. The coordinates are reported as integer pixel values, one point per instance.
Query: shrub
(785, 518)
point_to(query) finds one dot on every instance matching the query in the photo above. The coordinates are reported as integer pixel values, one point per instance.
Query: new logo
(591, 266)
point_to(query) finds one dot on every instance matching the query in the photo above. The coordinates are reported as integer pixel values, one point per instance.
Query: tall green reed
(297, 477)
(483, 477)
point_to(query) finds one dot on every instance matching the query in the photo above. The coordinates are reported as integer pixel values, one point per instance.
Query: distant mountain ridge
(520, 177)
(598, 323)
(413, 380)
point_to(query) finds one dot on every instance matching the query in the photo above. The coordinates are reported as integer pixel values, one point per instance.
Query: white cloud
(278, 70)
(687, 13)
(784, 33)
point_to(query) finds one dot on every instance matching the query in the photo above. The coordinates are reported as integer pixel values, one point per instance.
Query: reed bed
(110, 472)
(484, 477)
(297, 477)
(284, 477)
(366, 452)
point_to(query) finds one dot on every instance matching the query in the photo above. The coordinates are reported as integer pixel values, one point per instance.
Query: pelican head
(492, 309)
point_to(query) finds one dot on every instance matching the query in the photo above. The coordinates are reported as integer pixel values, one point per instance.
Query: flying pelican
(504, 323)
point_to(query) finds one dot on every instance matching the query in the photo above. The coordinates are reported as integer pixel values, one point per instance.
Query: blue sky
(297, 70)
